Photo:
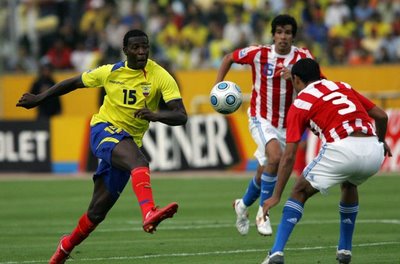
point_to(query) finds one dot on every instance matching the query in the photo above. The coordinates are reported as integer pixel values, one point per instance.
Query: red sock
(81, 231)
(142, 188)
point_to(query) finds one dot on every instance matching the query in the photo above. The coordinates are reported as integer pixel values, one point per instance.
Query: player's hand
(146, 114)
(285, 73)
(268, 204)
(29, 101)
(387, 150)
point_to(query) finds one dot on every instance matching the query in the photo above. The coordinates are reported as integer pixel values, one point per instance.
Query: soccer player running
(134, 88)
(271, 96)
(352, 151)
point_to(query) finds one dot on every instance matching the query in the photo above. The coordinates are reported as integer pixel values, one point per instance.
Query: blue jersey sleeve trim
(118, 65)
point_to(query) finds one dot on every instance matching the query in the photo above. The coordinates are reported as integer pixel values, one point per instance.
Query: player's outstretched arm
(224, 68)
(175, 115)
(29, 100)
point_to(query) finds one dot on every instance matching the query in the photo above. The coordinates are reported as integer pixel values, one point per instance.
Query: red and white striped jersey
(271, 95)
(332, 111)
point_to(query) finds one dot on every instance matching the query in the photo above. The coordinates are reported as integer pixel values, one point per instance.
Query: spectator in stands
(154, 18)
(59, 55)
(342, 40)
(217, 13)
(396, 24)
(388, 49)
(23, 61)
(237, 31)
(94, 17)
(113, 33)
(218, 47)
(387, 8)
(195, 32)
(362, 11)
(335, 12)
(376, 26)
(26, 32)
(360, 56)
(69, 33)
(371, 42)
(134, 18)
(261, 24)
(83, 59)
(40, 22)
(47, 24)
(44, 81)
(315, 30)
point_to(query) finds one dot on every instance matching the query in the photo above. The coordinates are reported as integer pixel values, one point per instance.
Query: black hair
(283, 20)
(307, 70)
(133, 33)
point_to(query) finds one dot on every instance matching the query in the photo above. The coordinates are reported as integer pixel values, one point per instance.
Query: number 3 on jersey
(340, 98)
(129, 96)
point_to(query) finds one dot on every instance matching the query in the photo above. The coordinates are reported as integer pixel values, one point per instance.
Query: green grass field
(34, 213)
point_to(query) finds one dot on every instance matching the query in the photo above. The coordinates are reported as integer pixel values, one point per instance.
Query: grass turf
(35, 213)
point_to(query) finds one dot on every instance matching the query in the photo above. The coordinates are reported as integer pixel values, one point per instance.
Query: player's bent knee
(273, 160)
(303, 190)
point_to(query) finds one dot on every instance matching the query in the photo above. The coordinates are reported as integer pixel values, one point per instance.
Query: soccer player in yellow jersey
(134, 88)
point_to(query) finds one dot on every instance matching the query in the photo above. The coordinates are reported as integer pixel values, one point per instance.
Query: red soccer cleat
(61, 255)
(156, 216)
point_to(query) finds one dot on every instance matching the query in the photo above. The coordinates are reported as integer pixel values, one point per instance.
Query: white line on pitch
(212, 225)
(204, 253)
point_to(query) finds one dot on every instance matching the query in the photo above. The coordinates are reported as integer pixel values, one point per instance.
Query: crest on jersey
(146, 87)
(243, 52)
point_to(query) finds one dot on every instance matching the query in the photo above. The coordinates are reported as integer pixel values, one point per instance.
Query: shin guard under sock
(142, 188)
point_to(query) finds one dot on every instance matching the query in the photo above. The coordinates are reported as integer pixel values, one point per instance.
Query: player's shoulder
(116, 66)
(303, 50)
(335, 84)
(154, 68)
(252, 49)
(344, 84)
(106, 68)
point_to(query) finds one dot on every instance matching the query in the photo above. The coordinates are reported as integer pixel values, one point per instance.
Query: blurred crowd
(78, 35)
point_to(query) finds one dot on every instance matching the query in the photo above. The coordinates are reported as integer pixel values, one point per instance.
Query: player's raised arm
(29, 100)
(224, 68)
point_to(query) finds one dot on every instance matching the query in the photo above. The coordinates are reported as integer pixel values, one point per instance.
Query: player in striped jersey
(134, 89)
(271, 96)
(352, 151)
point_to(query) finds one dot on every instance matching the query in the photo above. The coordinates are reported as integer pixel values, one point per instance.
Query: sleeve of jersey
(96, 77)
(245, 55)
(368, 104)
(169, 87)
(296, 124)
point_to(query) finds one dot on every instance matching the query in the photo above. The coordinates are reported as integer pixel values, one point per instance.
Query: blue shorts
(103, 139)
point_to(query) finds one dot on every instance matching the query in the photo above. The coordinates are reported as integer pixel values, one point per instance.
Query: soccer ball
(226, 97)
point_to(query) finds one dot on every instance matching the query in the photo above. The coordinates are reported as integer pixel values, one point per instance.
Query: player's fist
(29, 100)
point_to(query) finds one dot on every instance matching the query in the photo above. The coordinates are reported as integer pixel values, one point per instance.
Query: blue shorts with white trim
(103, 139)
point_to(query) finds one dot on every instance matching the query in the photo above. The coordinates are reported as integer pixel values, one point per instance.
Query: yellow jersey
(128, 90)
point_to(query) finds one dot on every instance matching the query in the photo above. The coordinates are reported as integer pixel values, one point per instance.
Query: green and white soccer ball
(226, 97)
